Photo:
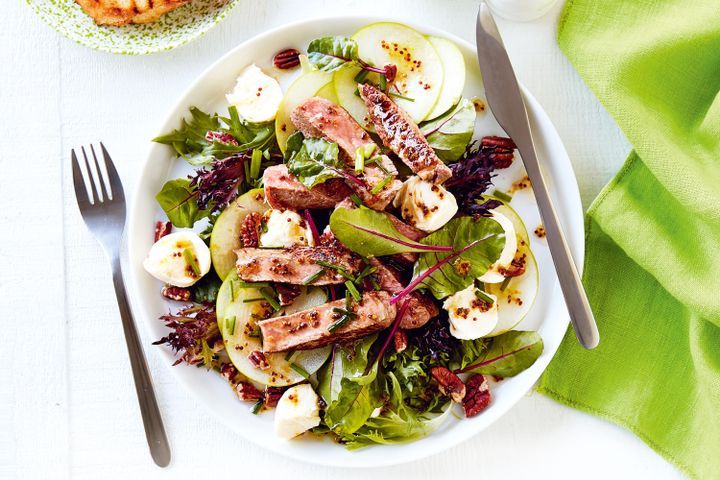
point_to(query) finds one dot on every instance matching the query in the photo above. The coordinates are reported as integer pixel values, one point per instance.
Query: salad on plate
(339, 254)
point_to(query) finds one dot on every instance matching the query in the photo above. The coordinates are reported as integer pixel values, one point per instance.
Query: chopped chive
(361, 76)
(258, 406)
(232, 290)
(403, 97)
(502, 196)
(368, 270)
(289, 355)
(230, 325)
(356, 200)
(255, 161)
(242, 284)
(484, 296)
(313, 277)
(270, 299)
(348, 302)
(266, 154)
(300, 370)
(376, 189)
(343, 311)
(359, 161)
(353, 290)
(382, 84)
(375, 284)
(341, 321)
(256, 299)
(246, 166)
(357, 93)
(189, 257)
(338, 269)
(376, 161)
(505, 283)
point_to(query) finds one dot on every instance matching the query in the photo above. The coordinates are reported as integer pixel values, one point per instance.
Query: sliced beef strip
(399, 133)
(295, 265)
(320, 118)
(421, 309)
(283, 191)
(309, 328)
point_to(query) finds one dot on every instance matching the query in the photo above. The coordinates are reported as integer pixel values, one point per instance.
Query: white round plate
(548, 315)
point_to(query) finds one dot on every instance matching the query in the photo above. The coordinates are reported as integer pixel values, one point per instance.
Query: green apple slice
(346, 91)
(419, 67)
(238, 310)
(304, 87)
(328, 92)
(454, 80)
(225, 236)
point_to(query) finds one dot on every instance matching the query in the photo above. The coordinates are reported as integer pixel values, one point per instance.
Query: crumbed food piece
(400, 134)
(312, 328)
(123, 12)
(284, 191)
(320, 118)
(298, 265)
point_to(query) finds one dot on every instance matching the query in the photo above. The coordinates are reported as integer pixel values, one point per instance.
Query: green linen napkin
(652, 265)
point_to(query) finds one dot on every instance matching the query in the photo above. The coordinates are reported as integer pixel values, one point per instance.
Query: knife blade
(506, 102)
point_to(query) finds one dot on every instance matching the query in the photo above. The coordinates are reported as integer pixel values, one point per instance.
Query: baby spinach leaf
(477, 242)
(508, 354)
(179, 202)
(370, 233)
(450, 133)
(398, 423)
(350, 393)
(331, 53)
(312, 160)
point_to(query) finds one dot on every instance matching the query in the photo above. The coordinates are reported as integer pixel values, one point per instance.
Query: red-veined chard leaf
(450, 133)
(371, 234)
(331, 53)
(312, 160)
(508, 354)
(179, 202)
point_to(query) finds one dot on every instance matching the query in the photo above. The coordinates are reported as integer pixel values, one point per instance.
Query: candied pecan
(516, 268)
(247, 392)
(502, 160)
(221, 137)
(478, 395)
(257, 358)
(448, 383)
(250, 230)
(162, 229)
(287, 293)
(502, 142)
(390, 73)
(272, 396)
(286, 59)
(400, 340)
(176, 293)
(228, 372)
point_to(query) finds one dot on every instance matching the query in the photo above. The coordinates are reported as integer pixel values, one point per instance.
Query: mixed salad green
(292, 218)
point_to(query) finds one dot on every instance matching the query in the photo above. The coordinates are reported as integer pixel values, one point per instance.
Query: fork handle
(152, 421)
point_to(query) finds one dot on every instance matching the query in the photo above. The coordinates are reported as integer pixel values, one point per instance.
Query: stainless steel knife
(506, 102)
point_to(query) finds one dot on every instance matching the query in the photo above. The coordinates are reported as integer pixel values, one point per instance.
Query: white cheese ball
(494, 273)
(256, 95)
(425, 205)
(285, 229)
(297, 411)
(471, 317)
(167, 260)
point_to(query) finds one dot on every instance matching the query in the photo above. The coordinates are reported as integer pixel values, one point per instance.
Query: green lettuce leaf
(351, 394)
(450, 133)
(189, 139)
(331, 53)
(460, 272)
(179, 202)
(312, 160)
(398, 423)
(370, 233)
(508, 354)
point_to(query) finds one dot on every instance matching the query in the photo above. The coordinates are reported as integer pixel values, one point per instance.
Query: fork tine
(81, 192)
(100, 179)
(113, 177)
(91, 181)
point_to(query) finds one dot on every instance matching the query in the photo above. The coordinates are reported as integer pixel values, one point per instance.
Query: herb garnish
(189, 256)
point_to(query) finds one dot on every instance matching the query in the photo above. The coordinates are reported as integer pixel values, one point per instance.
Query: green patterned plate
(171, 30)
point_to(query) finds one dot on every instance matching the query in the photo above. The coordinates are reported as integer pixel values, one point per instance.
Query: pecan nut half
(478, 395)
(176, 293)
(162, 229)
(501, 142)
(250, 230)
(272, 396)
(449, 384)
(400, 341)
(257, 358)
(286, 59)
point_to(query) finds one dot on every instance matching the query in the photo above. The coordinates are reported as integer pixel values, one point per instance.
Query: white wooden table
(67, 404)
